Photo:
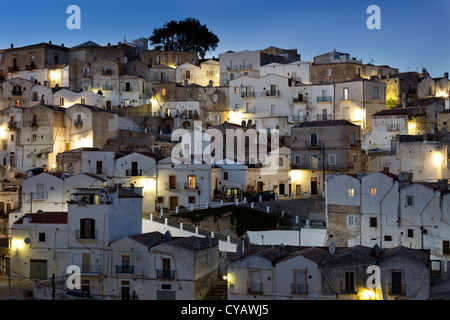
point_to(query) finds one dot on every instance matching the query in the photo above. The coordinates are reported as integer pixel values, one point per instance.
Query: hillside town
(336, 167)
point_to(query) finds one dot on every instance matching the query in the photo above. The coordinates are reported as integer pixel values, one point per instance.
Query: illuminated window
(191, 182)
(236, 89)
(61, 102)
(351, 192)
(163, 92)
(314, 162)
(373, 192)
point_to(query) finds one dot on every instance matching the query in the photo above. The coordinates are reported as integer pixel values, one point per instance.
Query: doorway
(314, 185)
(173, 203)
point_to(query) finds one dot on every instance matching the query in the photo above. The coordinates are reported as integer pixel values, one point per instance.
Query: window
(191, 200)
(236, 89)
(225, 176)
(373, 192)
(353, 139)
(12, 137)
(351, 221)
(396, 286)
(35, 96)
(332, 159)
(41, 236)
(191, 182)
(85, 72)
(349, 284)
(373, 222)
(351, 192)
(314, 162)
(376, 93)
(188, 74)
(299, 286)
(177, 60)
(160, 199)
(280, 162)
(297, 159)
(346, 94)
(158, 59)
(313, 139)
(34, 137)
(172, 182)
(445, 247)
(61, 101)
(83, 101)
(410, 201)
(87, 228)
(328, 72)
(436, 268)
(387, 238)
(163, 92)
(354, 158)
(410, 233)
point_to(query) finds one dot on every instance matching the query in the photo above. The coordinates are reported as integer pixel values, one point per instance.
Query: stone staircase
(218, 292)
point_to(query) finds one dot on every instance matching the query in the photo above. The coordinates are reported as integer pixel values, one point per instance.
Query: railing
(77, 123)
(313, 144)
(303, 99)
(40, 195)
(107, 87)
(299, 288)
(248, 94)
(165, 274)
(299, 118)
(124, 269)
(172, 187)
(86, 237)
(133, 173)
(91, 269)
(255, 287)
(397, 289)
(191, 186)
(16, 92)
(273, 93)
(324, 99)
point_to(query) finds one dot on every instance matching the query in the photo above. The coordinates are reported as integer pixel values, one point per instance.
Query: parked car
(75, 294)
(265, 196)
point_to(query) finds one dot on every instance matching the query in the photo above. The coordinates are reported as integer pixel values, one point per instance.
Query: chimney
(446, 75)
(49, 42)
(62, 45)
(12, 45)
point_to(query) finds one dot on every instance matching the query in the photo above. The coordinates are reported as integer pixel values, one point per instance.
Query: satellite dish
(332, 247)
(27, 240)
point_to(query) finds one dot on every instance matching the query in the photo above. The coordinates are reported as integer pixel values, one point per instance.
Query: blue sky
(413, 34)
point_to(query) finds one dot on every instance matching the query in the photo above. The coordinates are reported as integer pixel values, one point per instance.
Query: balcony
(246, 66)
(248, 94)
(273, 93)
(107, 72)
(297, 288)
(107, 87)
(16, 92)
(165, 274)
(191, 186)
(125, 269)
(300, 100)
(300, 118)
(31, 66)
(133, 173)
(91, 269)
(172, 186)
(313, 144)
(397, 289)
(78, 123)
(39, 195)
(324, 99)
(88, 236)
(13, 125)
(255, 287)
(232, 68)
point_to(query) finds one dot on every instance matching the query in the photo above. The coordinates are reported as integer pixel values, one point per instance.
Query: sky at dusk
(413, 34)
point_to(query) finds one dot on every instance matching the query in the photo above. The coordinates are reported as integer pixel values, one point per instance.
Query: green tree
(184, 35)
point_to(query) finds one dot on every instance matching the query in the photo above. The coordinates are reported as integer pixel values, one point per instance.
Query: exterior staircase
(218, 292)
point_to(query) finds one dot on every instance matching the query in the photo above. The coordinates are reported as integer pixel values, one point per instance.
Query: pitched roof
(156, 238)
(45, 218)
(420, 255)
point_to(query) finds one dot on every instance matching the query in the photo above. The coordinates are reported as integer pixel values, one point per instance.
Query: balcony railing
(78, 235)
(78, 123)
(313, 144)
(91, 269)
(255, 287)
(165, 274)
(172, 186)
(16, 92)
(273, 93)
(299, 118)
(40, 195)
(324, 99)
(300, 100)
(133, 173)
(124, 269)
(397, 289)
(191, 186)
(299, 288)
(248, 94)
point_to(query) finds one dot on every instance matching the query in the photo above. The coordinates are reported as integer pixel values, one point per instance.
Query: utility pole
(53, 286)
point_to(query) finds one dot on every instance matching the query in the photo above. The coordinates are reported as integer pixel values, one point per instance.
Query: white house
(66, 98)
(50, 191)
(139, 169)
(156, 266)
(297, 70)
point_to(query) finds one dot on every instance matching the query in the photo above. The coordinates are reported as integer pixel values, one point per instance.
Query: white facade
(237, 64)
(50, 192)
(297, 71)
(139, 169)
(66, 98)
